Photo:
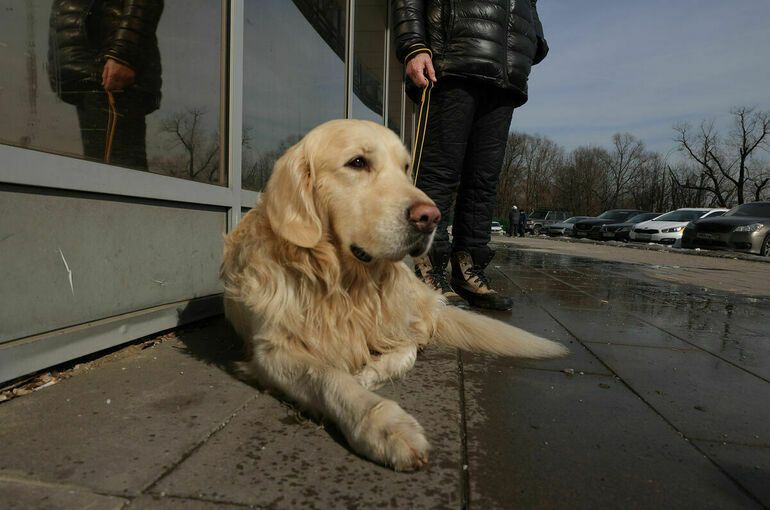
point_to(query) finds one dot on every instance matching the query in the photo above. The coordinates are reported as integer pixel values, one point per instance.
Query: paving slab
(120, 426)
(748, 350)
(608, 327)
(526, 314)
(157, 502)
(749, 465)
(539, 439)
(703, 396)
(268, 457)
(26, 495)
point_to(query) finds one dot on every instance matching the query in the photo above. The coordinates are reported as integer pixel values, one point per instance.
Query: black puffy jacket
(84, 33)
(496, 41)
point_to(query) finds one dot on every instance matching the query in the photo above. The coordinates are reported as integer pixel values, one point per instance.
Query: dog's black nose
(424, 217)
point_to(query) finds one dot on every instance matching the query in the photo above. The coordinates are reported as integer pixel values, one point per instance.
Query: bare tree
(729, 165)
(201, 149)
(649, 187)
(580, 184)
(510, 190)
(541, 157)
(258, 166)
(625, 161)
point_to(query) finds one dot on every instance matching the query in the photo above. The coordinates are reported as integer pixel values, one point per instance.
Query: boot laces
(477, 272)
(439, 279)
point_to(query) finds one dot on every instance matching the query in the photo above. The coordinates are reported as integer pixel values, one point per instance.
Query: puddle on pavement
(734, 327)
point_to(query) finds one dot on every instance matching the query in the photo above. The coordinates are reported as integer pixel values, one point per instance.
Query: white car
(497, 229)
(667, 228)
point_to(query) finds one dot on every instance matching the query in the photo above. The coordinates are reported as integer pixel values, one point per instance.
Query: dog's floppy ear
(289, 199)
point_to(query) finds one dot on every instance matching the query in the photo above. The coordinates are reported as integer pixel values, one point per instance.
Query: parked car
(541, 219)
(583, 227)
(619, 231)
(564, 228)
(668, 228)
(496, 229)
(745, 228)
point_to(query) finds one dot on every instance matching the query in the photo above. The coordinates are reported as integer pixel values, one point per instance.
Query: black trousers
(129, 141)
(463, 150)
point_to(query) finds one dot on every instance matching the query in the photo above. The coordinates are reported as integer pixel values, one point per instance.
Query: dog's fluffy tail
(474, 332)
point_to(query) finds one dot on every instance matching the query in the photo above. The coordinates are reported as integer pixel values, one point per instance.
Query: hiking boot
(470, 282)
(435, 277)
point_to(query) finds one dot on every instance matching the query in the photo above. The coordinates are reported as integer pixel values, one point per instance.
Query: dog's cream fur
(326, 327)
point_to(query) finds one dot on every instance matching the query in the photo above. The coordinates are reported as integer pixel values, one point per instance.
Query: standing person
(513, 221)
(523, 223)
(103, 57)
(472, 59)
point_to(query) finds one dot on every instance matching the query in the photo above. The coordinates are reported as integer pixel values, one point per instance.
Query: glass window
(395, 92)
(59, 59)
(408, 135)
(294, 77)
(369, 59)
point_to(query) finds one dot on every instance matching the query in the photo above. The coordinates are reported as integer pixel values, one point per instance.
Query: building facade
(113, 210)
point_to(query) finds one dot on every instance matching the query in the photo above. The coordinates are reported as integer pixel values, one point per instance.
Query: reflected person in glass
(103, 58)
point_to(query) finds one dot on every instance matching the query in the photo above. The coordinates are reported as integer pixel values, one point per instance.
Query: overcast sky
(640, 67)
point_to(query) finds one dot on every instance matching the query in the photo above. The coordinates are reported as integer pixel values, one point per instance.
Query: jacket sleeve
(135, 32)
(542, 45)
(409, 28)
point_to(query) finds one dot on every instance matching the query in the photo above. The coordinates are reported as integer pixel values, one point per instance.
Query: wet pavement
(663, 403)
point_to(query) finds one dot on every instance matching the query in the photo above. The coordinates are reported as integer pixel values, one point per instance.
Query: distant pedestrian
(522, 223)
(513, 221)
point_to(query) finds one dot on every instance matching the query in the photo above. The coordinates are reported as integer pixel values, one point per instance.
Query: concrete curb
(648, 247)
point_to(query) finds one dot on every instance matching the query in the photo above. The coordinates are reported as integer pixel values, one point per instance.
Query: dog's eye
(358, 162)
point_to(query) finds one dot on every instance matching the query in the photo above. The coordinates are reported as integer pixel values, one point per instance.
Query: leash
(422, 125)
(112, 124)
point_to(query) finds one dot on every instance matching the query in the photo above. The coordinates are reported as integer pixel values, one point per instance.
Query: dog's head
(351, 180)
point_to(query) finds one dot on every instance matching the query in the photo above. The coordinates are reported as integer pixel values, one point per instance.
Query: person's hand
(419, 67)
(117, 76)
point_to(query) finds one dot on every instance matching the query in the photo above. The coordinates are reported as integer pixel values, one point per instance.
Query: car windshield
(642, 217)
(681, 216)
(757, 210)
(495, 224)
(615, 215)
(538, 215)
(574, 219)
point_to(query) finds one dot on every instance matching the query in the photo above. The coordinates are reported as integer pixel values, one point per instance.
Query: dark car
(619, 231)
(584, 227)
(744, 228)
(540, 219)
(563, 228)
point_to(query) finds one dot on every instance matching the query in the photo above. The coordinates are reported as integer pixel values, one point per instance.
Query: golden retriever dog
(315, 283)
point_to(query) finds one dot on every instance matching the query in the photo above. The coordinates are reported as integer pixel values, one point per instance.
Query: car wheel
(764, 250)
(536, 230)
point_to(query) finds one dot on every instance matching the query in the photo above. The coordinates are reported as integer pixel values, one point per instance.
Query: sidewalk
(662, 404)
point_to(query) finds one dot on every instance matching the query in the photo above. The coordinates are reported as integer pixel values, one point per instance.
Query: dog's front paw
(370, 378)
(393, 437)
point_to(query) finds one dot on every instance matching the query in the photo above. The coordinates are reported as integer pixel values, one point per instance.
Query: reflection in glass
(140, 50)
(409, 121)
(395, 96)
(369, 59)
(294, 77)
